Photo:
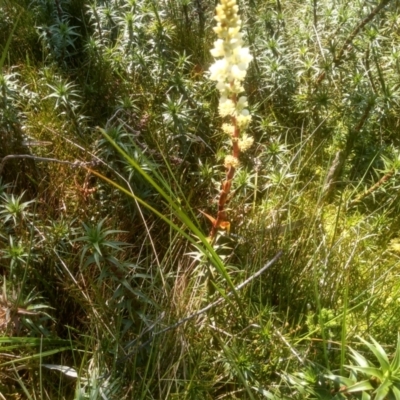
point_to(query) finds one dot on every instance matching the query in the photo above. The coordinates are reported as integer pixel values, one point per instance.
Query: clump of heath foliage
(124, 123)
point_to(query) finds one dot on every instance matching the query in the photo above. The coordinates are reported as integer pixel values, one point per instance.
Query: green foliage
(366, 381)
(97, 247)
(385, 377)
(103, 251)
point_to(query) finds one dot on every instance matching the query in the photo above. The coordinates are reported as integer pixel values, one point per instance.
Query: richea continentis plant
(229, 71)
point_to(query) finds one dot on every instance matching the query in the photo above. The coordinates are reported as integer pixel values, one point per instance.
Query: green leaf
(369, 371)
(379, 353)
(6, 47)
(395, 364)
(360, 386)
(359, 359)
(36, 356)
(265, 393)
(31, 341)
(382, 390)
(68, 371)
(206, 247)
(341, 380)
(365, 396)
(396, 392)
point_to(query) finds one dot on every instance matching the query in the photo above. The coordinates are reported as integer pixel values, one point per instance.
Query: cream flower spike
(229, 71)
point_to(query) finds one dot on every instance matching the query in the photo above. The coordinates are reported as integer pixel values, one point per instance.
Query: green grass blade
(37, 356)
(8, 43)
(207, 249)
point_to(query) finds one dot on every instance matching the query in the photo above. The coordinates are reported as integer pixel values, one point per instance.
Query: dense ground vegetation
(110, 149)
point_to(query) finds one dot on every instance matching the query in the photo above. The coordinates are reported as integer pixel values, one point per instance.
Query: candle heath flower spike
(229, 71)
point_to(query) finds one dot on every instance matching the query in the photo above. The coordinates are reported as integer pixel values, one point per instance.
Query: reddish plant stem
(227, 183)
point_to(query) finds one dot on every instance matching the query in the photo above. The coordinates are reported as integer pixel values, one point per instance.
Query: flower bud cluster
(229, 71)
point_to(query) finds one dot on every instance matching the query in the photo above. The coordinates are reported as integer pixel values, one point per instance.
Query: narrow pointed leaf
(360, 386)
(68, 371)
(36, 356)
(341, 380)
(365, 396)
(359, 359)
(396, 392)
(206, 247)
(8, 43)
(382, 390)
(264, 393)
(395, 364)
(369, 371)
(379, 353)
